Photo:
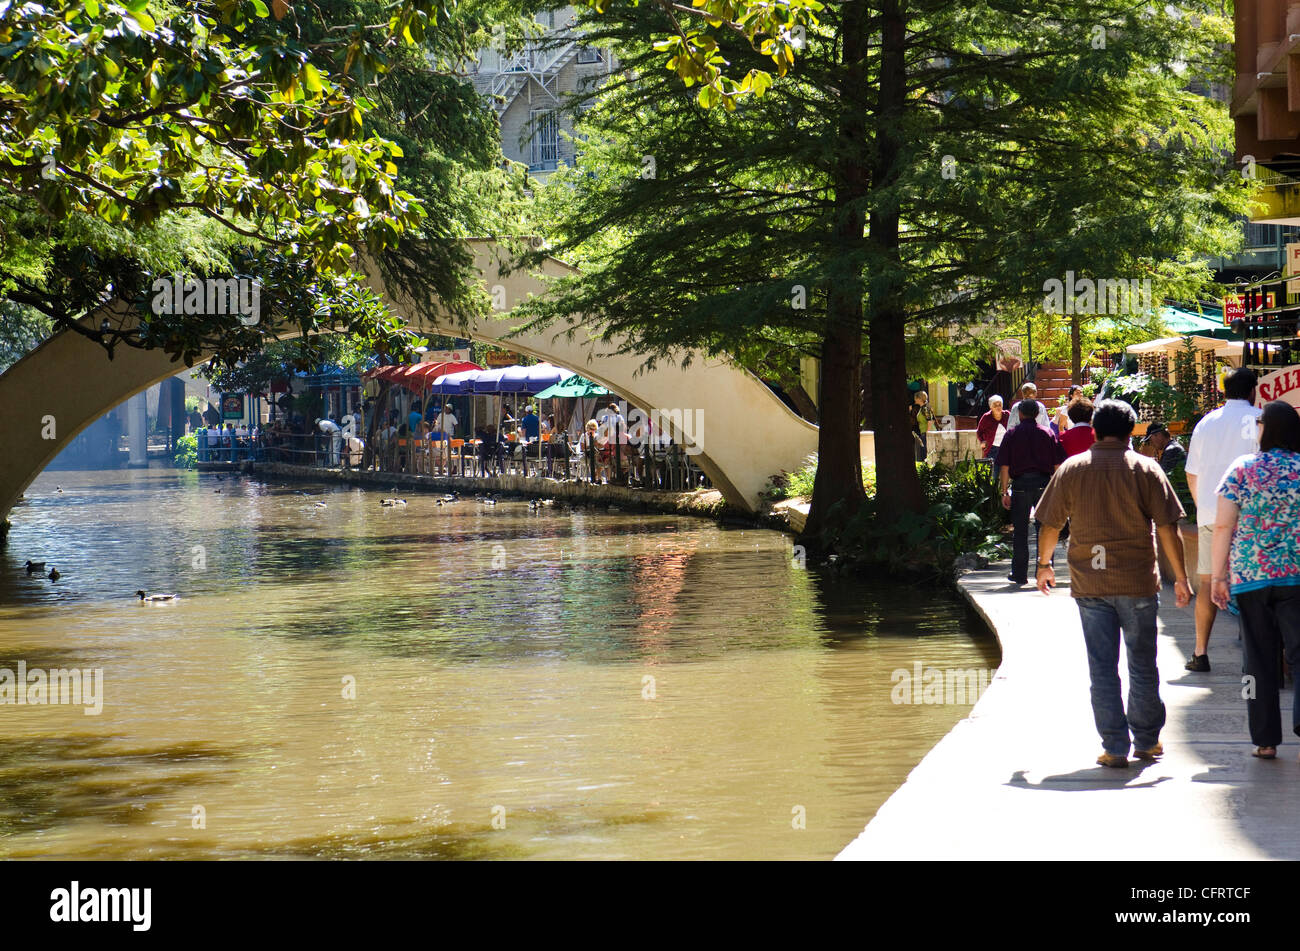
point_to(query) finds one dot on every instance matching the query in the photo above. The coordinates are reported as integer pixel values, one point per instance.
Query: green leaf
(261, 8)
(311, 79)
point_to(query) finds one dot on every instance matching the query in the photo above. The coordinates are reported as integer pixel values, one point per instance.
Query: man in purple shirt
(1026, 460)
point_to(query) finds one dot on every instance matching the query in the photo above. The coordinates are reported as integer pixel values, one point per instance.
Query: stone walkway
(1017, 779)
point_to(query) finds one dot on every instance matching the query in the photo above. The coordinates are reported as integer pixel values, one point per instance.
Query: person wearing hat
(1166, 448)
(529, 424)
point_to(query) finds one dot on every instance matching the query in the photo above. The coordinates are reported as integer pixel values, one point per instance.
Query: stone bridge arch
(748, 433)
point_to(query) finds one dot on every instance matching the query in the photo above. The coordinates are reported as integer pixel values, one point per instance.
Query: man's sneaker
(1152, 753)
(1200, 663)
(1112, 759)
(1014, 580)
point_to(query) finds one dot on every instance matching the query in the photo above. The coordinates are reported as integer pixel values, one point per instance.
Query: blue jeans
(1103, 620)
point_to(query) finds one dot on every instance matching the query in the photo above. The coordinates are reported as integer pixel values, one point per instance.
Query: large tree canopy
(146, 139)
(922, 165)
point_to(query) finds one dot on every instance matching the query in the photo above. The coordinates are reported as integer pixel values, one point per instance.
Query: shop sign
(1281, 384)
(232, 405)
(1234, 308)
(444, 356)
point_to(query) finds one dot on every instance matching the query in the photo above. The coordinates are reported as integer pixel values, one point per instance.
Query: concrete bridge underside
(748, 435)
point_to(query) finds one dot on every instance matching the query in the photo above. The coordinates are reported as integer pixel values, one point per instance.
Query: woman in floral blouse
(1256, 560)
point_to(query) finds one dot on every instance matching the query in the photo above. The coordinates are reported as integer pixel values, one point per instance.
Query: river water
(455, 681)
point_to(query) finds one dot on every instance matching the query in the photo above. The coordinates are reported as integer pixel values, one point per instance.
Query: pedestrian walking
(1062, 419)
(1168, 450)
(1222, 437)
(1256, 559)
(921, 420)
(1030, 392)
(1112, 497)
(1026, 460)
(1079, 437)
(992, 427)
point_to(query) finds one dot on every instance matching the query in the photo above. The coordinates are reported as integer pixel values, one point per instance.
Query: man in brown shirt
(1112, 497)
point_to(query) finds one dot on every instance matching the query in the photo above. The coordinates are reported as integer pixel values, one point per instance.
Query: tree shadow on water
(47, 782)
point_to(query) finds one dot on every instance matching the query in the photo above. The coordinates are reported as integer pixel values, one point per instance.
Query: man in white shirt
(335, 432)
(1221, 437)
(446, 422)
(1030, 392)
(609, 420)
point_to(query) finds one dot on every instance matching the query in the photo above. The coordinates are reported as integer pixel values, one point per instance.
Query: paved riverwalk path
(1017, 779)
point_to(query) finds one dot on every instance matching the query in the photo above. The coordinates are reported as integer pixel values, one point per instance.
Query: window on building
(590, 54)
(546, 139)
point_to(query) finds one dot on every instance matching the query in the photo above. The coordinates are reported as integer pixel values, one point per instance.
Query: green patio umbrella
(574, 387)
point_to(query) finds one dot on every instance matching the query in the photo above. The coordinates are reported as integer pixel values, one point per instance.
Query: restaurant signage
(232, 405)
(444, 356)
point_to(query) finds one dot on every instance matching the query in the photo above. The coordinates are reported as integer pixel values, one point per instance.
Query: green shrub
(187, 451)
(799, 484)
(964, 516)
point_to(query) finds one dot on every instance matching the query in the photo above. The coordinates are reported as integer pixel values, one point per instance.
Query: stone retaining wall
(704, 502)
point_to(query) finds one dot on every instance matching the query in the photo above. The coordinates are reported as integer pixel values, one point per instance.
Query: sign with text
(444, 356)
(1234, 308)
(232, 405)
(1281, 384)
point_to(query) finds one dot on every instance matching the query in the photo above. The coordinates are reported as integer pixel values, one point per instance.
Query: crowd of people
(609, 448)
(1080, 476)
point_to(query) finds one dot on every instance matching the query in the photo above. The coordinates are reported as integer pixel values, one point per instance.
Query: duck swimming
(155, 598)
(54, 574)
(34, 566)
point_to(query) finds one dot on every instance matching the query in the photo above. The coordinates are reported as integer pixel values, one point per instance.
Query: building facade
(528, 87)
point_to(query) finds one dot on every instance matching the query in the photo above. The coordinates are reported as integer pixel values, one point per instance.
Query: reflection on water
(454, 681)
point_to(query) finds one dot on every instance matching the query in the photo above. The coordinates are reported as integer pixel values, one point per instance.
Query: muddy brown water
(455, 681)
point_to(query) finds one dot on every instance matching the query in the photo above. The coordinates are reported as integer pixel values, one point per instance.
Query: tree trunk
(839, 459)
(898, 489)
(838, 484)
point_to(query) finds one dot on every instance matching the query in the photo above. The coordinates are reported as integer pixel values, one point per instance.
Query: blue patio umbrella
(532, 379)
(455, 383)
(489, 381)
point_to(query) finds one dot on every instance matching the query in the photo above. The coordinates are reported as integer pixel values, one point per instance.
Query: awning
(452, 383)
(489, 381)
(532, 379)
(1174, 344)
(575, 387)
(416, 376)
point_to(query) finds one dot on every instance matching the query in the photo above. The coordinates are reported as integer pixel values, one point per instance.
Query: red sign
(1281, 384)
(1234, 308)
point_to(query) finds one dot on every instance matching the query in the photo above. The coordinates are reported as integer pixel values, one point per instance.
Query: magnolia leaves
(777, 30)
(125, 114)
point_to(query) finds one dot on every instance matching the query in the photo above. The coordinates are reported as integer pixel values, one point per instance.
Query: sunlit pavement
(1018, 780)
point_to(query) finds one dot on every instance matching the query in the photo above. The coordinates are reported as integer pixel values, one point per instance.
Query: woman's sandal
(1265, 752)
